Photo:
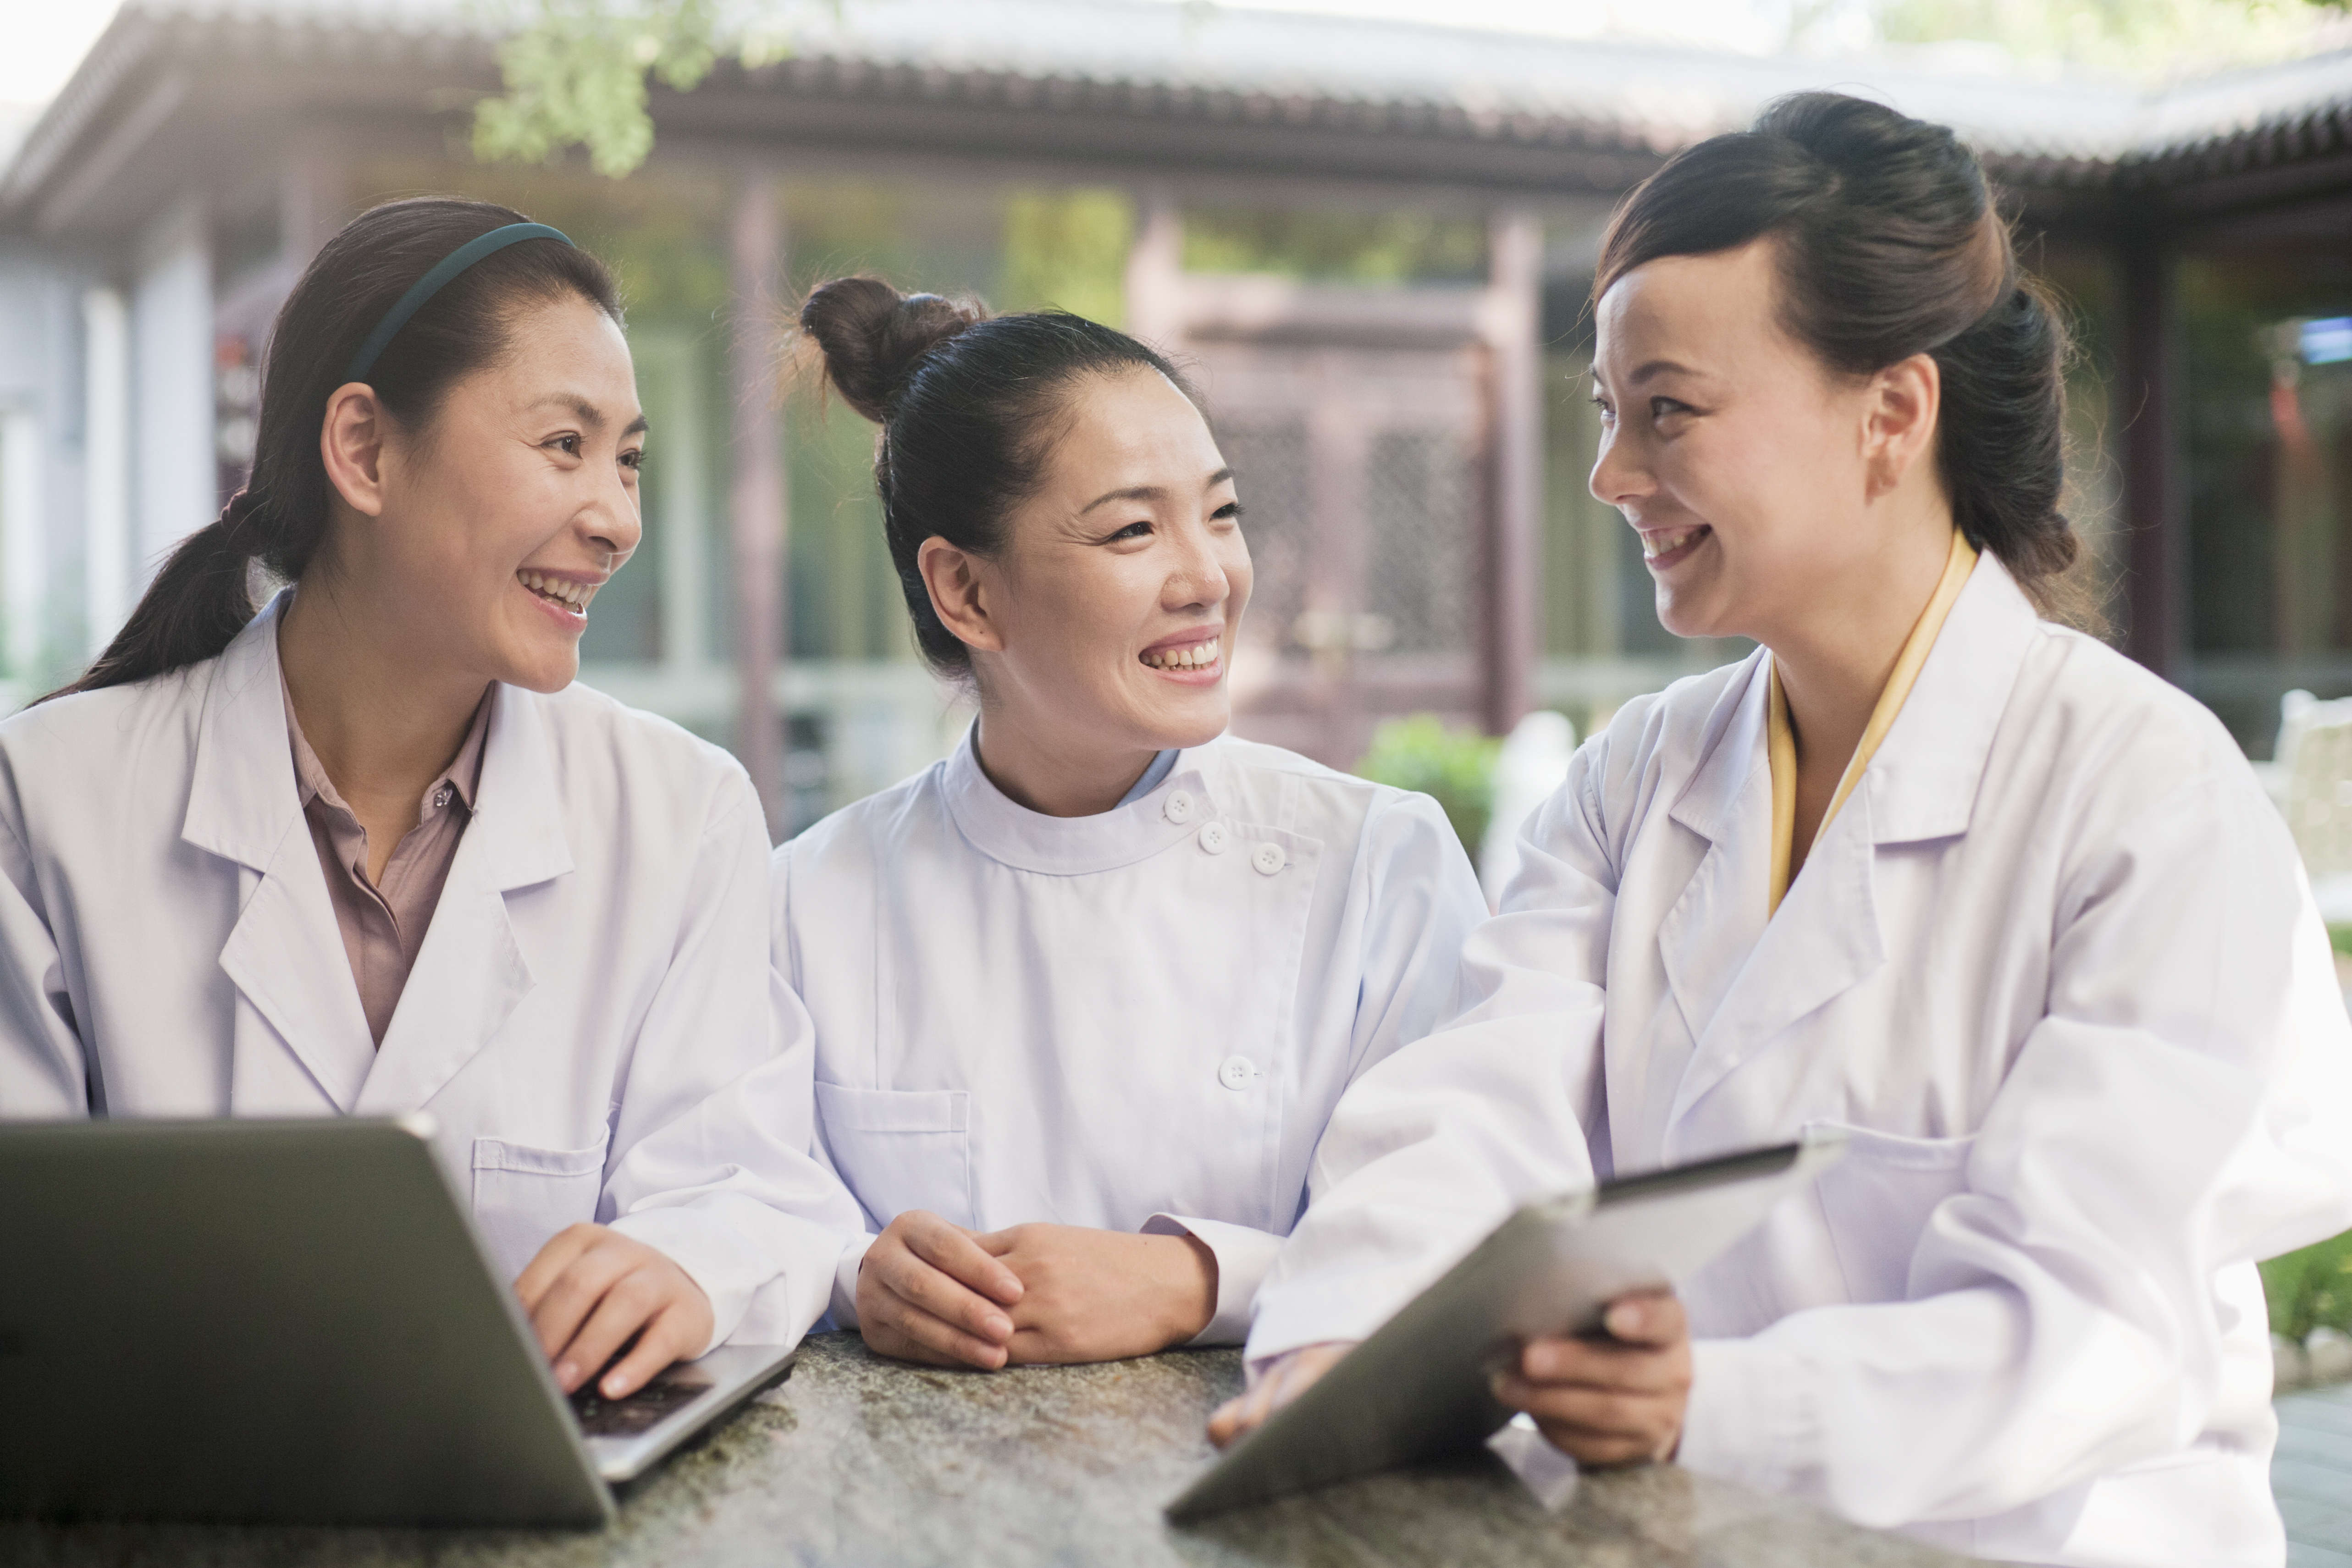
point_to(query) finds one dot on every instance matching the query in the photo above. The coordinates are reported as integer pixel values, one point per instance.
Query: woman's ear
(959, 596)
(1899, 421)
(351, 443)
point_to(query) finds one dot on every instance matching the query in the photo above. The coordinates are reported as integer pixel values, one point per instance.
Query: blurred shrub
(2311, 1289)
(1067, 251)
(1455, 767)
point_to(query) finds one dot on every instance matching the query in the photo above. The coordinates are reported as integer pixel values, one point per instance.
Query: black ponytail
(201, 596)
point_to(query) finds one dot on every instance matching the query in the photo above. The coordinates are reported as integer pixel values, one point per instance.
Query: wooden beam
(756, 496)
(2154, 518)
(1513, 633)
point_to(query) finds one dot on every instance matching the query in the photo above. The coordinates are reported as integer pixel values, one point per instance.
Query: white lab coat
(1133, 1021)
(2054, 969)
(591, 1023)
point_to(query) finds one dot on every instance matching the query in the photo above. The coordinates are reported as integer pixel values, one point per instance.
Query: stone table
(870, 1464)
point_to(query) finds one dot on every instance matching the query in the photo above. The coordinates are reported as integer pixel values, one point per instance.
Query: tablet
(1417, 1389)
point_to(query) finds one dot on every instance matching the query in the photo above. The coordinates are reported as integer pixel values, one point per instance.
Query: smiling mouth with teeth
(1199, 656)
(563, 591)
(1655, 545)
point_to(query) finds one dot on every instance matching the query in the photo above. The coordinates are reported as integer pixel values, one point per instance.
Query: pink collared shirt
(383, 923)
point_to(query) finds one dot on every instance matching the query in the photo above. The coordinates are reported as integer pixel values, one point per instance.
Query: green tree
(575, 71)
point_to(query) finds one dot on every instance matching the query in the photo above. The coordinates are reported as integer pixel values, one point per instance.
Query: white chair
(2310, 776)
(1533, 762)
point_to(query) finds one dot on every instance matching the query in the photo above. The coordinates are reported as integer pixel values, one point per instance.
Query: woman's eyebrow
(1149, 493)
(588, 412)
(1657, 368)
(1132, 492)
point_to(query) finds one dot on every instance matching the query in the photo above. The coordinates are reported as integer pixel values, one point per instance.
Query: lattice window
(1270, 460)
(1422, 561)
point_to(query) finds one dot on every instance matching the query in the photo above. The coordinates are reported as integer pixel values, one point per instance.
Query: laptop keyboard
(639, 1413)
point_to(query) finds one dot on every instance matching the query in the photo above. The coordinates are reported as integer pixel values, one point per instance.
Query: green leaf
(575, 73)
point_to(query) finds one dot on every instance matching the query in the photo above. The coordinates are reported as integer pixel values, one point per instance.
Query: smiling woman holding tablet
(370, 850)
(1929, 871)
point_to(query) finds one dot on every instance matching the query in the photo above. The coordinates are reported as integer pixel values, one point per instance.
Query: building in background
(1373, 241)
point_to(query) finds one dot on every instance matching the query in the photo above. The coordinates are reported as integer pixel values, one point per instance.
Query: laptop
(1417, 1389)
(293, 1321)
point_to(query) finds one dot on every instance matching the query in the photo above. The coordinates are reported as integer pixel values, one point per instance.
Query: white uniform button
(1213, 837)
(1235, 1072)
(1268, 858)
(1180, 808)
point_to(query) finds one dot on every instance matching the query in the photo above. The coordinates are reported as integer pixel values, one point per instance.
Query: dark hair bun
(872, 336)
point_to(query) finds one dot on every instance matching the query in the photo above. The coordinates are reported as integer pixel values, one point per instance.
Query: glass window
(2265, 385)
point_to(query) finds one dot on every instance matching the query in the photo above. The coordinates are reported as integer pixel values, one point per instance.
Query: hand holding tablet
(1574, 1292)
(1614, 1399)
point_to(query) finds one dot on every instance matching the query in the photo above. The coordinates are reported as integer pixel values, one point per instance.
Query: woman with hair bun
(1928, 870)
(1086, 991)
(370, 851)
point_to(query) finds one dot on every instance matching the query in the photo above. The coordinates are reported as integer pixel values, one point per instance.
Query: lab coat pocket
(1876, 1202)
(523, 1196)
(901, 1149)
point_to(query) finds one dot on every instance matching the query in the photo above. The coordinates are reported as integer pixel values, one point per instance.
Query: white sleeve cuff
(1749, 1417)
(844, 1314)
(765, 1273)
(715, 1257)
(1243, 1256)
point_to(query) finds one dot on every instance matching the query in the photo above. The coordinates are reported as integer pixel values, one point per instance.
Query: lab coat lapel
(1822, 941)
(1716, 918)
(1925, 780)
(1921, 785)
(1728, 803)
(472, 971)
(285, 954)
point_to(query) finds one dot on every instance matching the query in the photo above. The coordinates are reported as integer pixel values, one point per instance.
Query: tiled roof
(1189, 61)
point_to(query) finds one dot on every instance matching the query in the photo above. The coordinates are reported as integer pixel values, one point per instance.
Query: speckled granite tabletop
(869, 1464)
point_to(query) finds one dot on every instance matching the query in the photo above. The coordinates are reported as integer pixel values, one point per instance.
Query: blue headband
(433, 282)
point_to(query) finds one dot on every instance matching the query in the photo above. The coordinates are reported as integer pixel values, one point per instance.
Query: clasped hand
(1612, 1400)
(930, 1291)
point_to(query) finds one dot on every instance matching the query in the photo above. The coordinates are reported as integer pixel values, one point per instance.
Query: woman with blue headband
(370, 851)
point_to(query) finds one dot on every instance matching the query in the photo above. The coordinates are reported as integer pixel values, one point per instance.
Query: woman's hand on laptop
(1093, 1295)
(590, 1288)
(927, 1292)
(1617, 1400)
(1283, 1379)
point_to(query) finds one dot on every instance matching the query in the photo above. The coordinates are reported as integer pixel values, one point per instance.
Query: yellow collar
(1780, 738)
